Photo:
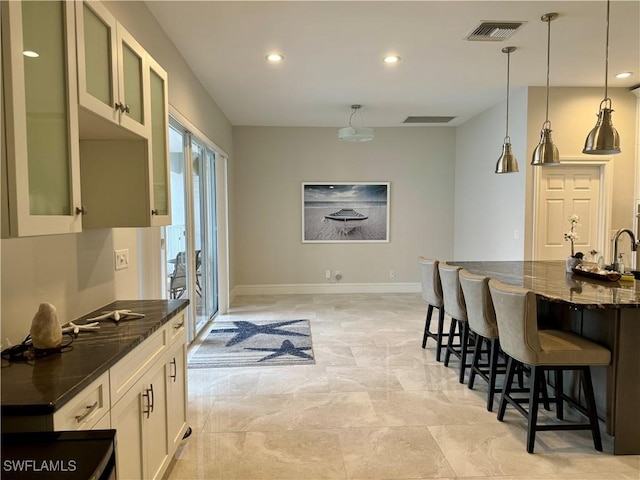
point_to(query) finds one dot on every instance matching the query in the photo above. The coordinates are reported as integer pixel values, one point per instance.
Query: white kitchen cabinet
(177, 391)
(160, 192)
(113, 77)
(40, 170)
(139, 419)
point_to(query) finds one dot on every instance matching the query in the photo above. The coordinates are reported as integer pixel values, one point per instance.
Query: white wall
(270, 166)
(489, 207)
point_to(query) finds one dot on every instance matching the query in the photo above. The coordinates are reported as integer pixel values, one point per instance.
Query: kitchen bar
(603, 311)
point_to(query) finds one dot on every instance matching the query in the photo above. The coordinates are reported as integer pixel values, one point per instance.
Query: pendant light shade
(507, 162)
(352, 133)
(546, 153)
(603, 139)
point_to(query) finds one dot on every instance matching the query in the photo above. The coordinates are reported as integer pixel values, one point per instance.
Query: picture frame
(345, 212)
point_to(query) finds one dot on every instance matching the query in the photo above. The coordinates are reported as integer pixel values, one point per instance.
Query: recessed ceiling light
(274, 57)
(624, 75)
(30, 53)
(391, 59)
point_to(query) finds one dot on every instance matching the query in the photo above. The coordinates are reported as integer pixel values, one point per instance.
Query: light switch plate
(121, 258)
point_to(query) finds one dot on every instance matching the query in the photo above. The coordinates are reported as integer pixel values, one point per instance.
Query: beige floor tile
(333, 355)
(207, 382)
(392, 452)
(388, 355)
(208, 456)
(292, 379)
(428, 377)
(362, 379)
(294, 455)
(491, 450)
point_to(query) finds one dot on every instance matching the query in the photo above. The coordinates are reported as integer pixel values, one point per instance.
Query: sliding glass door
(191, 246)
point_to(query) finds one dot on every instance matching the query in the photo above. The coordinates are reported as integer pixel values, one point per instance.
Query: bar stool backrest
(516, 314)
(430, 278)
(454, 304)
(480, 312)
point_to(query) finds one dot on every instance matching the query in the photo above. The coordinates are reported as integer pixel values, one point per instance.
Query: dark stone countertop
(549, 280)
(42, 385)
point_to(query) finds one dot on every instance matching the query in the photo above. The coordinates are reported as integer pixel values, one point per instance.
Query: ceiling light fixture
(353, 133)
(274, 57)
(546, 153)
(392, 59)
(31, 54)
(507, 162)
(624, 74)
(603, 139)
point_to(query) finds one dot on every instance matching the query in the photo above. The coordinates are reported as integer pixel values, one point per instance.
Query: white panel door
(562, 192)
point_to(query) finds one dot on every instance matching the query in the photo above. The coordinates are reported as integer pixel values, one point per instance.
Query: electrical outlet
(392, 274)
(121, 258)
(327, 274)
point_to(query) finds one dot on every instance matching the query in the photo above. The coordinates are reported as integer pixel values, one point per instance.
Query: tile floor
(374, 406)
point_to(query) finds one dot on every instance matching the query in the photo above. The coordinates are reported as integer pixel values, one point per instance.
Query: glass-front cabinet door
(159, 145)
(112, 71)
(42, 151)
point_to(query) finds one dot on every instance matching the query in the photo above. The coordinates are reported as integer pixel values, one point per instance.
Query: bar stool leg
(493, 367)
(534, 393)
(559, 392)
(440, 332)
(591, 407)
(475, 361)
(506, 390)
(464, 342)
(452, 334)
(427, 325)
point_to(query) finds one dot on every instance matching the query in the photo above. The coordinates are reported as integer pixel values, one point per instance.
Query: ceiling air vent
(493, 31)
(423, 119)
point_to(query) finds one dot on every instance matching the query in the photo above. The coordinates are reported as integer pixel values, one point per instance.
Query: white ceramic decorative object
(46, 331)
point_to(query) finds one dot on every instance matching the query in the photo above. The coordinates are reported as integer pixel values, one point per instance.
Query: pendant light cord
(548, 63)
(606, 62)
(508, 66)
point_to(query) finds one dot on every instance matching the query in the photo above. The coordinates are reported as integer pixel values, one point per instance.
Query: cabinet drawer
(134, 365)
(177, 327)
(86, 408)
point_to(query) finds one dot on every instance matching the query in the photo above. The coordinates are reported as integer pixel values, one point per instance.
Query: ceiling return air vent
(423, 119)
(493, 31)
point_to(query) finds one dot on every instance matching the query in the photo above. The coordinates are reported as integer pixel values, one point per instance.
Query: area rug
(256, 343)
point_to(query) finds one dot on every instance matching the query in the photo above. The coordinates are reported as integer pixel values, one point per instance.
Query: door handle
(174, 375)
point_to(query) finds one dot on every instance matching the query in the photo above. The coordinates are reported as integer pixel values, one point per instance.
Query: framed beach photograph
(345, 212)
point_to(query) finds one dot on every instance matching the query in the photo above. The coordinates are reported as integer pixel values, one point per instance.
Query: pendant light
(507, 162)
(546, 153)
(603, 139)
(353, 133)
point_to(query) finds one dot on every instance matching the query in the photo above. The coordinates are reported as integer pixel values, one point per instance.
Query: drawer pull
(88, 411)
(175, 370)
(178, 326)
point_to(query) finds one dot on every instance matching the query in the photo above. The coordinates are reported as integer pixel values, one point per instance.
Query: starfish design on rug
(247, 330)
(287, 348)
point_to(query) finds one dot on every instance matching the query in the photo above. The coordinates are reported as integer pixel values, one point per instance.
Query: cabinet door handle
(88, 410)
(126, 109)
(147, 396)
(154, 212)
(152, 398)
(81, 210)
(174, 375)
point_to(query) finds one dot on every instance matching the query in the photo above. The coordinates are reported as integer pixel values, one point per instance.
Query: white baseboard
(317, 288)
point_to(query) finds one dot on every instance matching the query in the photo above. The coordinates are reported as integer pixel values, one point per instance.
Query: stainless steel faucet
(634, 245)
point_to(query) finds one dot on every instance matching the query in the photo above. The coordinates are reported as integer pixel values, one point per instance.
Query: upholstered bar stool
(482, 321)
(455, 307)
(543, 351)
(432, 295)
